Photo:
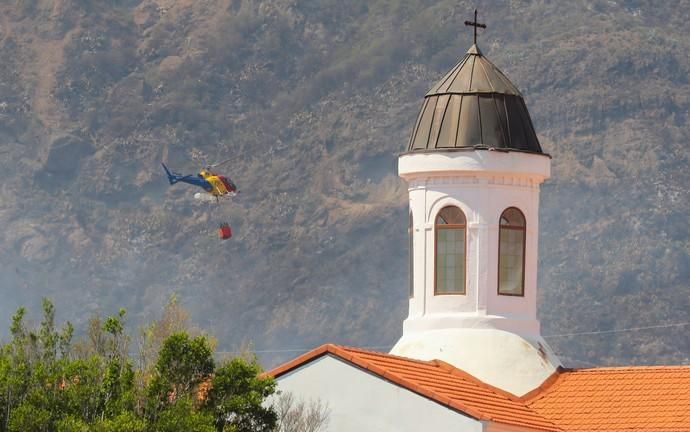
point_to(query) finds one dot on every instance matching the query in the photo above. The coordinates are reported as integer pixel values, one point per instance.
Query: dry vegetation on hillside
(314, 99)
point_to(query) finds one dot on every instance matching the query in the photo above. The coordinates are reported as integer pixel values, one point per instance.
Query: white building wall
(362, 402)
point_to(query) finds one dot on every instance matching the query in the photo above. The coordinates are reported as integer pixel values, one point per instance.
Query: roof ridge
(543, 388)
(362, 350)
(297, 361)
(461, 373)
(626, 368)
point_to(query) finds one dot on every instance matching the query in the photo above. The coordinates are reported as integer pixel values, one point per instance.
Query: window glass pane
(511, 261)
(459, 245)
(450, 251)
(450, 215)
(450, 260)
(513, 217)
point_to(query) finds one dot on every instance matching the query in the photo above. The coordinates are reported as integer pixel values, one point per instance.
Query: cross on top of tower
(475, 24)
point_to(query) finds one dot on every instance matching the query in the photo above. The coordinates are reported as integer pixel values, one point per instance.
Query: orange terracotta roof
(437, 381)
(652, 398)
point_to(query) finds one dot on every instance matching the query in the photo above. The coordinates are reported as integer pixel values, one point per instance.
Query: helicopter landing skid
(204, 197)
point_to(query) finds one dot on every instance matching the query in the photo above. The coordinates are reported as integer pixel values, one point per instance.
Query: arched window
(511, 253)
(450, 251)
(410, 233)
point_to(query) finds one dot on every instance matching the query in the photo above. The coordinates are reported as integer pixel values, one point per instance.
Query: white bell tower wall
(482, 184)
(479, 331)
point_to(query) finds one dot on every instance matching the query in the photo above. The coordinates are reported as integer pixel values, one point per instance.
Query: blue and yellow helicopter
(215, 185)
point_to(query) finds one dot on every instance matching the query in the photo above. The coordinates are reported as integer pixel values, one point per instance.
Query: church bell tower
(473, 166)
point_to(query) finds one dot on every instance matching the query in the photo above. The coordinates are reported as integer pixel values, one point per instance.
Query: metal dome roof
(474, 106)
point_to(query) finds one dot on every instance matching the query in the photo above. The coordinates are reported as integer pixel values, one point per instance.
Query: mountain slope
(314, 100)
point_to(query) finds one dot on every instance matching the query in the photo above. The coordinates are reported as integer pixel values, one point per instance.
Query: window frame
(438, 227)
(524, 252)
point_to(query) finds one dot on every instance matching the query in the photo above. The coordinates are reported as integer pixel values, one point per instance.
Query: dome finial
(475, 24)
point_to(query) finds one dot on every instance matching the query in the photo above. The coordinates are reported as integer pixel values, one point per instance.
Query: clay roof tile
(624, 399)
(618, 399)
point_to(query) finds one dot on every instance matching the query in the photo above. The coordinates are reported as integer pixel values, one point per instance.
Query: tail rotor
(172, 178)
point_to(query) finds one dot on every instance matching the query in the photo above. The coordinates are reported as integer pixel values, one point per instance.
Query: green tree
(33, 372)
(71, 424)
(127, 421)
(174, 319)
(183, 363)
(181, 415)
(29, 417)
(45, 388)
(15, 367)
(78, 385)
(237, 395)
(49, 384)
(118, 376)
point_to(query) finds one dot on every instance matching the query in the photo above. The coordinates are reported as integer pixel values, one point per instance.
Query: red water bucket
(224, 232)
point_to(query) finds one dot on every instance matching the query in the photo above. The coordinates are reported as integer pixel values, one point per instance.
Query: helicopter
(214, 184)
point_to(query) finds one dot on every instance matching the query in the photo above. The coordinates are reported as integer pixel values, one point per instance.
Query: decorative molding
(503, 180)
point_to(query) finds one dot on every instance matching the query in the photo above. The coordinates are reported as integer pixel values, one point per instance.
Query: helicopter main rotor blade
(221, 163)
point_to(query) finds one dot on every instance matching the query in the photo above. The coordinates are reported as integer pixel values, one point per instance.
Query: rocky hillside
(313, 100)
